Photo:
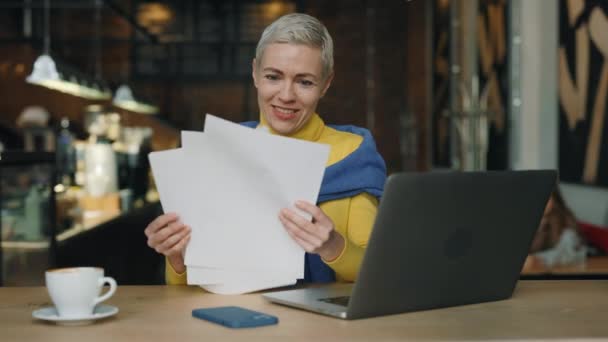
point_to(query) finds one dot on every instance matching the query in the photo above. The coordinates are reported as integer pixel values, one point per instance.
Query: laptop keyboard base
(343, 300)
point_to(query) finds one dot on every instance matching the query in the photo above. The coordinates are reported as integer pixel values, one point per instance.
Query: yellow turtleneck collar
(311, 131)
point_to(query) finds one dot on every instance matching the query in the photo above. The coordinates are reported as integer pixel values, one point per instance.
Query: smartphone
(235, 317)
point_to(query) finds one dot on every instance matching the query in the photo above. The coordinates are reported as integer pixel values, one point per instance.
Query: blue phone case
(235, 317)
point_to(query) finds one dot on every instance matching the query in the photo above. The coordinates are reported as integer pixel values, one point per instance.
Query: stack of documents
(228, 184)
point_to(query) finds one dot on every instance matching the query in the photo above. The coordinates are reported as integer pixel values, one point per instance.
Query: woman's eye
(306, 83)
(271, 77)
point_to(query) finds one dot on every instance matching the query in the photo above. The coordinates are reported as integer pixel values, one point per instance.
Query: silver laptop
(439, 240)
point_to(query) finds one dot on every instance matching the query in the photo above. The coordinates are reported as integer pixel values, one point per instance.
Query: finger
(180, 247)
(302, 234)
(304, 244)
(317, 214)
(296, 218)
(318, 230)
(157, 238)
(160, 222)
(184, 244)
(160, 236)
(174, 239)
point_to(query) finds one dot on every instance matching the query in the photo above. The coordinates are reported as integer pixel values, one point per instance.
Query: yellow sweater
(353, 217)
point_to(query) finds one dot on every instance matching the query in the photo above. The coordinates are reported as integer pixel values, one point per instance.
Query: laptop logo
(458, 244)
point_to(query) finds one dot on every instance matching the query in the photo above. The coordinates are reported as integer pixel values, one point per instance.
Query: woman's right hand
(167, 235)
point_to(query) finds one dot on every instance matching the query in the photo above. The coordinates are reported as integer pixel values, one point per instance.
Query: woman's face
(289, 83)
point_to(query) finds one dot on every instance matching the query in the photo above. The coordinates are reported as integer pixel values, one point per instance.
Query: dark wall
(395, 32)
(358, 25)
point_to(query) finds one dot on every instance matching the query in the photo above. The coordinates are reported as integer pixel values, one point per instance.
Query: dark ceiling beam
(131, 20)
(62, 4)
(82, 4)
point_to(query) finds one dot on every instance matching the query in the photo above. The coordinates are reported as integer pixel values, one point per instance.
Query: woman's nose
(287, 92)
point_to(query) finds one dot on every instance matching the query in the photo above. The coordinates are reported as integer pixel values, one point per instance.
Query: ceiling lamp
(123, 98)
(45, 73)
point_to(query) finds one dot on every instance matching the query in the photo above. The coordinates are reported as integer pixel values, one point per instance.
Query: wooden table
(538, 310)
(594, 268)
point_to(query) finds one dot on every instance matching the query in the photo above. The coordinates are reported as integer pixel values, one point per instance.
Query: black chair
(119, 246)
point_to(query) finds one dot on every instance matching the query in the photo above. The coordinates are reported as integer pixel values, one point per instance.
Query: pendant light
(46, 73)
(123, 98)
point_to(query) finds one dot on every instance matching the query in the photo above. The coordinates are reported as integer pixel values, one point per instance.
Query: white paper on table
(249, 176)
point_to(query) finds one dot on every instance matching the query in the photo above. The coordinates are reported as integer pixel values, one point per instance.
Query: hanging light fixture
(46, 73)
(123, 98)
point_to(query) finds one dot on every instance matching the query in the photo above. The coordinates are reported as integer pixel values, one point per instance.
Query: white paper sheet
(165, 168)
(251, 285)
(229, 184)
(253, 176)
(232, 278)
(217, 245)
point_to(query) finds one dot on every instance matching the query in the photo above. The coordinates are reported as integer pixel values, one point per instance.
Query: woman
(292, 70)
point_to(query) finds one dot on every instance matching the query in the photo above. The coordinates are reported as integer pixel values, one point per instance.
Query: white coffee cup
(75, 290)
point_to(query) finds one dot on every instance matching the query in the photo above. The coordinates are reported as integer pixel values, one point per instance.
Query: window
(202, 39)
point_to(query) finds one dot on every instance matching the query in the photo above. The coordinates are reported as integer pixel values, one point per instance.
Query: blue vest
(361, 171)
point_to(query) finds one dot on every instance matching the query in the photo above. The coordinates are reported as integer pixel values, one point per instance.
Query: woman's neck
(311, 130)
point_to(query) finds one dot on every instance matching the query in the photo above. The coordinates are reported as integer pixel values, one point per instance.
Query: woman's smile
(283, 113)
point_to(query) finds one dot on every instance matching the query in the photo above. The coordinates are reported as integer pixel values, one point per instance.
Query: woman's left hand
(318, 236)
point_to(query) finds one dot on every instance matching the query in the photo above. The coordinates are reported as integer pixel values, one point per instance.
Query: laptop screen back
(450, 238)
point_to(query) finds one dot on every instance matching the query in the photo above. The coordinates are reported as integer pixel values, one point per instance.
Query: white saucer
(50, 314)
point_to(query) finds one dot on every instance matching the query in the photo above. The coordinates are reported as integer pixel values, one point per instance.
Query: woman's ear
(253, 73)
(327, 84)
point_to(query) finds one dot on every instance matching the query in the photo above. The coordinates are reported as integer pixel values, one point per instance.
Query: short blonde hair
(299, 28)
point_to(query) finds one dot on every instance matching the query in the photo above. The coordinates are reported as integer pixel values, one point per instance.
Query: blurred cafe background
(89, 87)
